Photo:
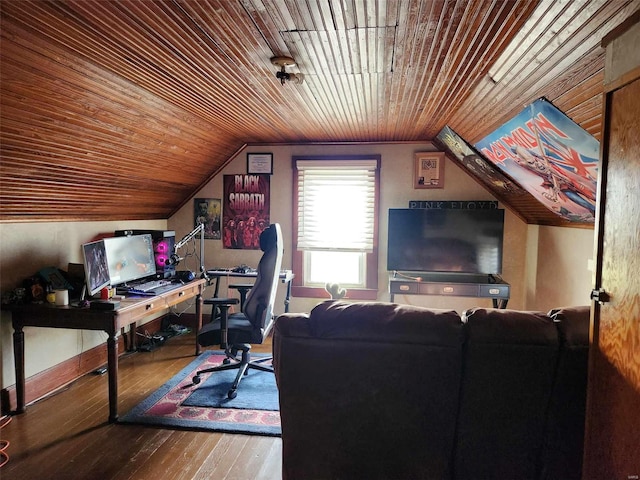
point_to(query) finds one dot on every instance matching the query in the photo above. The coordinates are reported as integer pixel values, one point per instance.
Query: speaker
(185, 275)
(163, 243)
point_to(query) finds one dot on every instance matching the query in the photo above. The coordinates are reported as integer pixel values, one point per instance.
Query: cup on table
(62, 297)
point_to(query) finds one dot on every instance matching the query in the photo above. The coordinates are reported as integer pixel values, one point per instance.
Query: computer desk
(112, 321)
(286, 276)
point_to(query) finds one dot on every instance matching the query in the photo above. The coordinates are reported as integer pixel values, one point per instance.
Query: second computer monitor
(130, 258)
(96, 270)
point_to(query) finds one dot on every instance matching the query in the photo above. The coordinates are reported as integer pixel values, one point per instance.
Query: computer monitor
(96, 270)
(130, 258)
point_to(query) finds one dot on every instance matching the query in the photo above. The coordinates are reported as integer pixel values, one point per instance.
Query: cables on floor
(4, 444)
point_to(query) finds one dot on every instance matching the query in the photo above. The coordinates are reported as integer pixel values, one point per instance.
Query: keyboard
(149, 286)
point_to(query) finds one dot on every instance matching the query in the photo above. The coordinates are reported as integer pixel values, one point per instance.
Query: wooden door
(612, 437)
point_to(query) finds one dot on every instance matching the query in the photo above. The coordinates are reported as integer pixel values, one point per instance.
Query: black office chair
(237, 331)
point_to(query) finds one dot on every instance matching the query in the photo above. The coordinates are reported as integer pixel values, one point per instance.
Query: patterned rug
(177, 404)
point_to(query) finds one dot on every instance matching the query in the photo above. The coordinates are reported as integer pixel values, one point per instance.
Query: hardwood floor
(67, 436)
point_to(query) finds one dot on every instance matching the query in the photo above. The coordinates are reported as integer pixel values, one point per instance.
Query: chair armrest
(223, 305)
(218, 301)
(243, 289)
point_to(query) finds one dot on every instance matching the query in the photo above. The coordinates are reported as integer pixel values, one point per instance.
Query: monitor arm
(187, 238)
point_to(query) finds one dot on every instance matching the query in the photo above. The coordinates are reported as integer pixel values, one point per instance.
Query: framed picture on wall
(260, 163)
(429, 170)
(208, 211)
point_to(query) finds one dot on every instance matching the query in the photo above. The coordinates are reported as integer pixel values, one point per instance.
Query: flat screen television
(96, 270)
(130, 258)
(447, 240)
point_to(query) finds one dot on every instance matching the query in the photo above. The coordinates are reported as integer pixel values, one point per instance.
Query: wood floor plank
(67, 436)
(220, 463)
(272, 461)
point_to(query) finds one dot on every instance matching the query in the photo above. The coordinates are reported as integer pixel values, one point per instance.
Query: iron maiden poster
(245, 210)
(551, 157)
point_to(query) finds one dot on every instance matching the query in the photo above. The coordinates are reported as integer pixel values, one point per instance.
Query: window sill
(352, 293)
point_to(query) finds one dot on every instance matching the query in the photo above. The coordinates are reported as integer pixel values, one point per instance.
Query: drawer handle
(149, 306)
(404, 288)
(447, 289)
(494, 291)
(181, 294)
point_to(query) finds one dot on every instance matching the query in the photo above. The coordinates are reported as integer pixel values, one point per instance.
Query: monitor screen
(96, 270)
(447, 240)
(130, 258)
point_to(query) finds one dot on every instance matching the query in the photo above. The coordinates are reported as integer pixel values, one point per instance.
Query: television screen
(452, 241)
(96, 270)
(130, 258)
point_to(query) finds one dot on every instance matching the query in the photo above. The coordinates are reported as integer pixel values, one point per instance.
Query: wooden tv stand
(454, 285)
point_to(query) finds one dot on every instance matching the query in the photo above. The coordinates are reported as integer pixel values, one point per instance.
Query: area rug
(178, 404)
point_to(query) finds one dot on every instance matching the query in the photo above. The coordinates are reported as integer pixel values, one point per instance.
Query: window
(336, 225)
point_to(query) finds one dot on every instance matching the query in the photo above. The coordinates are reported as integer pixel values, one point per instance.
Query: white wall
(564, 276)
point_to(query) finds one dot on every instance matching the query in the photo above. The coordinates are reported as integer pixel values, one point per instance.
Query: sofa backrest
(368, 390)
(508, 373)
(378, 390)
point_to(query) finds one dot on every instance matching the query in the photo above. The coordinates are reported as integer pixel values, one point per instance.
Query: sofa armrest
(564, 440)
(573, 324)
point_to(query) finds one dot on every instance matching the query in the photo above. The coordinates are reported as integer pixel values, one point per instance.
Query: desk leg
(500, 303)
(112, 362)
(130, 338)
(216, 287)
(18, 358)
(287, 298)
(215, 310)
(199, 318)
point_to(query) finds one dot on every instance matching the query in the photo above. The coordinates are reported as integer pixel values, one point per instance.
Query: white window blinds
(336, 204)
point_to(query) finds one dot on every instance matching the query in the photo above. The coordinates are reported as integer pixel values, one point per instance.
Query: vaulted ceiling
(100, 98)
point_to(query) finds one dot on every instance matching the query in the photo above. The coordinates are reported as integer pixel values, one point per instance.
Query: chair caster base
(231, 394)
(196, 380)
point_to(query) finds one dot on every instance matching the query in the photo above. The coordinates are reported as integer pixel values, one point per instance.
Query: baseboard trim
(47, 382)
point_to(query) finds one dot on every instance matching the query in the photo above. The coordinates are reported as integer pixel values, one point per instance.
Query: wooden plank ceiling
(122, 109)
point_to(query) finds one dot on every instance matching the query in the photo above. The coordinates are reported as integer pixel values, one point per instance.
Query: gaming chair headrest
(268, 238)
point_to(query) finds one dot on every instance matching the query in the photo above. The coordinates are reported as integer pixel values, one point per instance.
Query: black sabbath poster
(245, 210)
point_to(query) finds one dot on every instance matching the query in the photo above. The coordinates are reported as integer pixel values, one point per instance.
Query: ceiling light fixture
(282, 75)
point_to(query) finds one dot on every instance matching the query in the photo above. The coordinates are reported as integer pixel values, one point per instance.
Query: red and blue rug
(181, 405)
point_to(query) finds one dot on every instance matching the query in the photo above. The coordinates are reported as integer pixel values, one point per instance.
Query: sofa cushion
(508, 371)
(368, 390)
